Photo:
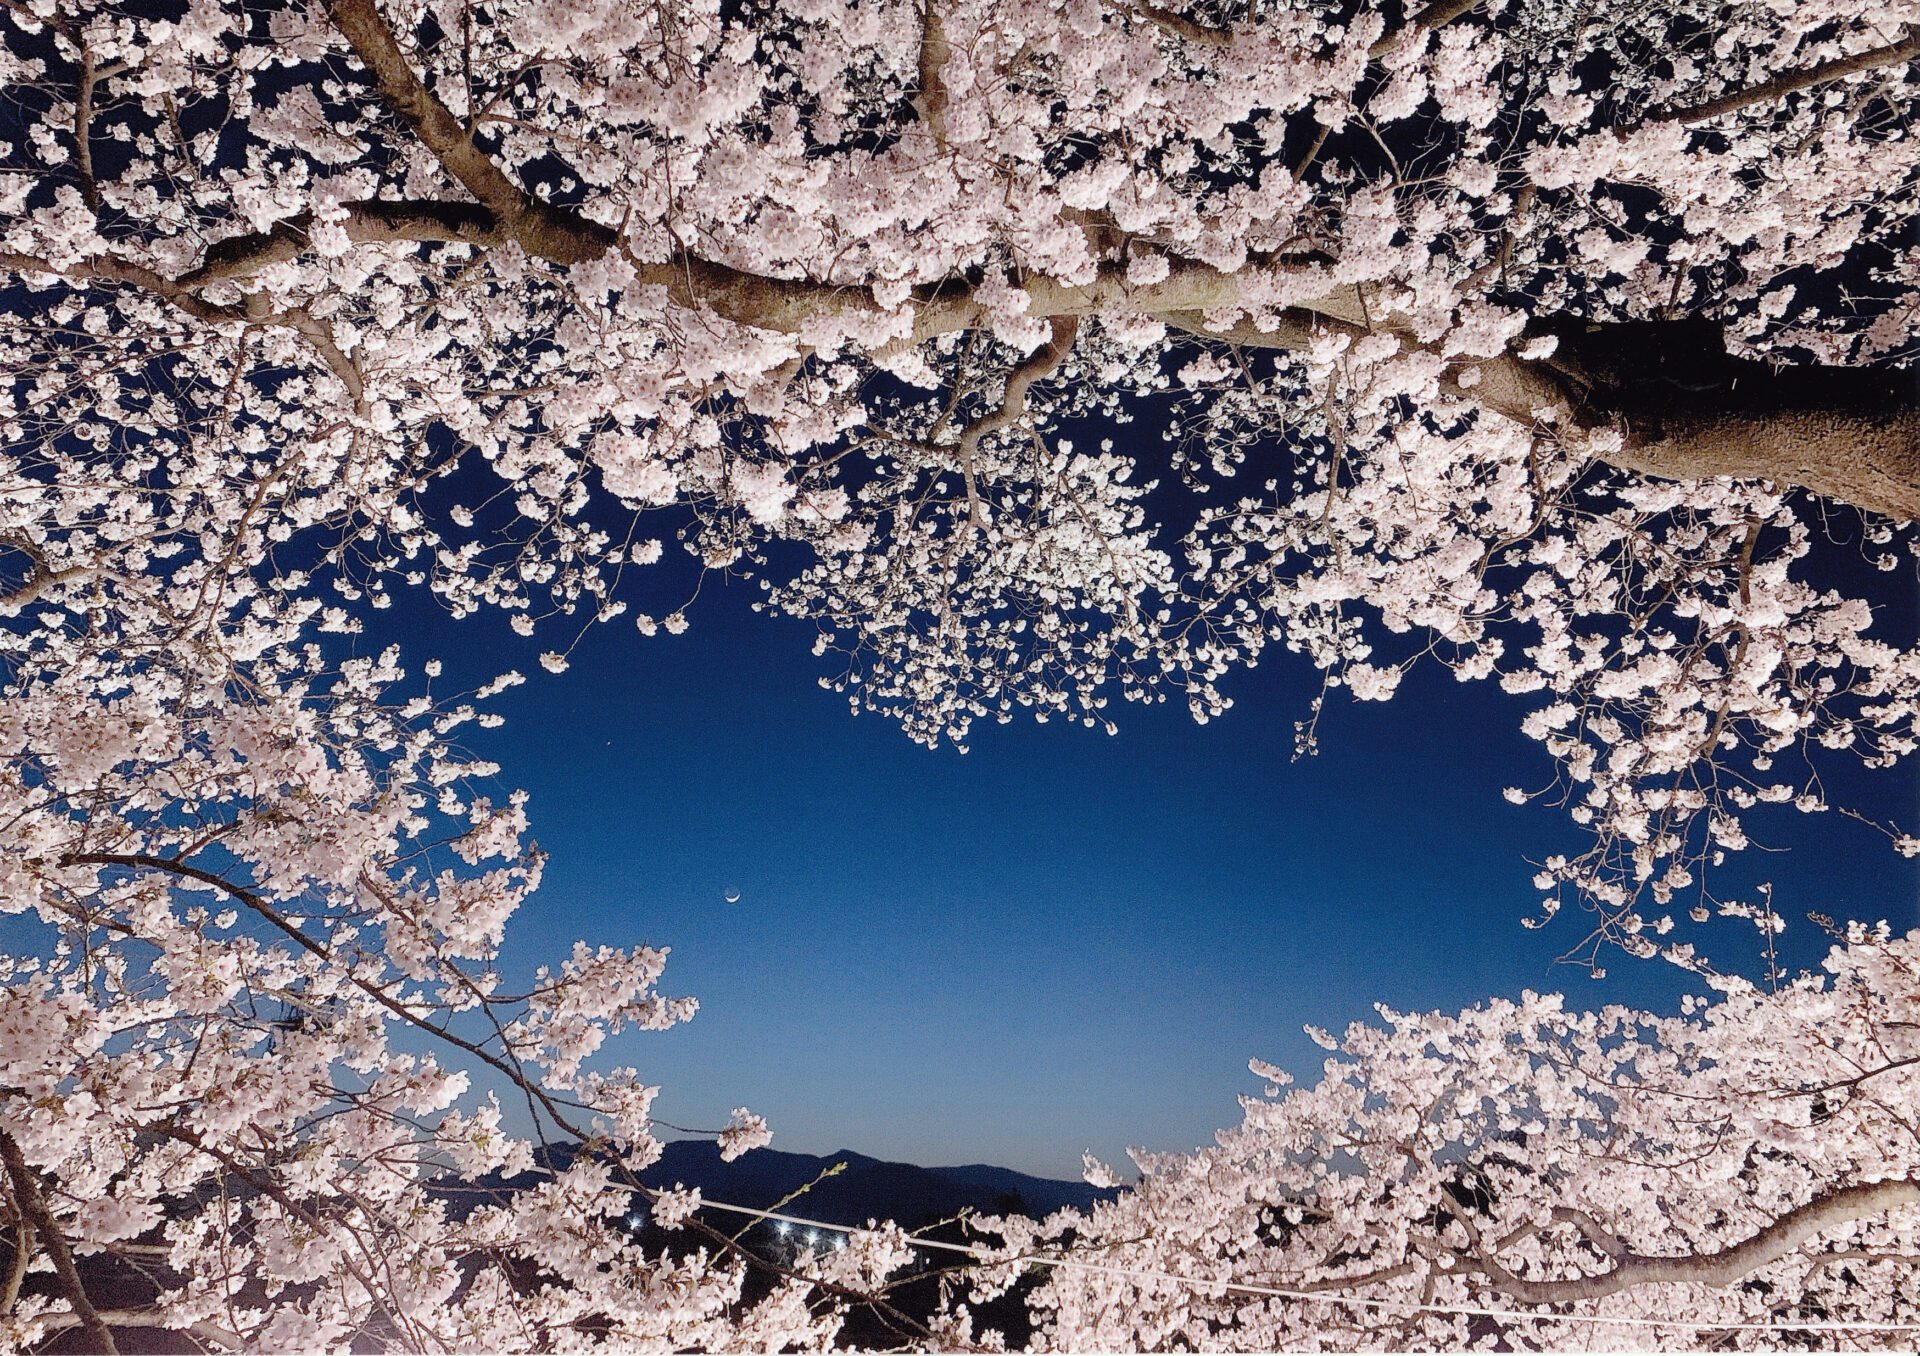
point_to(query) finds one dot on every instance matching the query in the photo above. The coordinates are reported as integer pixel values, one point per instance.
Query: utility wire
(984, 1256)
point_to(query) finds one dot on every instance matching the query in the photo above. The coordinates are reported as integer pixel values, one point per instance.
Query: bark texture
(26, 1194)
(1683, 408)
(1689, 411)
(1862, 1200)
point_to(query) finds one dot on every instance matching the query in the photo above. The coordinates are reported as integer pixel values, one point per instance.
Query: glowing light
(781, 1228)
(813, 1236)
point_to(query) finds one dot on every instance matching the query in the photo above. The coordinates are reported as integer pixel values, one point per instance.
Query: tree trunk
(1689, 411)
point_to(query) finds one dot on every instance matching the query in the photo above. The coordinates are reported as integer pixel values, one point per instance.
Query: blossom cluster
(1611, 1180)
(307, 304)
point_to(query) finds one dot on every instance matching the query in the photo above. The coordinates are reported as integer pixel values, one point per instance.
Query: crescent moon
(733, 896)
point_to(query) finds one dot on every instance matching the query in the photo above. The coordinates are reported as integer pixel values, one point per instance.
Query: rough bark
(26, 1191)
(1862, 1200)
(1686, 410)
(543, 230)
(1893, 54)
(931, 104)
(1849, 435)
(1689, 411)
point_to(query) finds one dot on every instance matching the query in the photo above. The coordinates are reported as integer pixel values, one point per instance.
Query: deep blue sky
(1060, 940)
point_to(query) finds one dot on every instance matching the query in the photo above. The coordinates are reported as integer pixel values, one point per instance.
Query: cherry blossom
(1553, 1178)
(1547, 344)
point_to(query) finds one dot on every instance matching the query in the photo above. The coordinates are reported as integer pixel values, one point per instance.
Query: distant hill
(868, 1188)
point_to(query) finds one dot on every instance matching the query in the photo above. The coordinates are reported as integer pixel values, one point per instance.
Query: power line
(984, 1256)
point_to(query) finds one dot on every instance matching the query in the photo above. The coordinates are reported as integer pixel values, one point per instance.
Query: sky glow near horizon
(1061, 940)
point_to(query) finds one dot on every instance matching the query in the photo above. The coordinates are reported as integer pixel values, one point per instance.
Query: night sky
(1060, 940)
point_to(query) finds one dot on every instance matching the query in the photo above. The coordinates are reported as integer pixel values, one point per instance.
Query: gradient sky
(1060, 940)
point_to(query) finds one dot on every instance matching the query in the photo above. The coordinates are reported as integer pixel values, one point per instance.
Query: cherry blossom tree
(1542, 340)
(1558, 1180)
(229, 1067)
(1545, 336)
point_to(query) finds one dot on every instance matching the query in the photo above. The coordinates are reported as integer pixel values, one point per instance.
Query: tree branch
(263, 1183)
(83, 130)
(1853, 1084)
(26, 1192)
(372, 222)
(1782, 85)
(151, 1318)
(1594, 1231)
(1295, 333)
(241, 260)
(1180, 26)
(22, 1254)
(42, 577)
(931, 103)
(1436, 15)
(105, 269)
(1686, 410)
(343, 365)
(542, 230)
(273, 916)
(1723, 1268)
(1013, 404)
(25, 17)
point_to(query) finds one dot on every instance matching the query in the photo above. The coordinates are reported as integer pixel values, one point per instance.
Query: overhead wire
(986, 1257)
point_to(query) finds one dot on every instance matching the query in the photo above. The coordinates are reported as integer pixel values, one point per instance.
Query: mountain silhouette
(866, 1189)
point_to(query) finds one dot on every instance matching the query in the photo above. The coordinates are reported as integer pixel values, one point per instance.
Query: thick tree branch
(1869, 459)
(931, 103)
(541, 229)
(22, 1245)
(778, 304)
(1180, 26)
(1688, 411)
(1782, 85)
(343, 365)
(104, 269)
(1592, 1229)
(367, 223)
(1685, 410)
(1181, 299)
(38, 583)
(1861, 1201)
(155, 1319)
(1043, 362)
(1436, 15)
(83, 130)
(26, 1193)
(1295, 332)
